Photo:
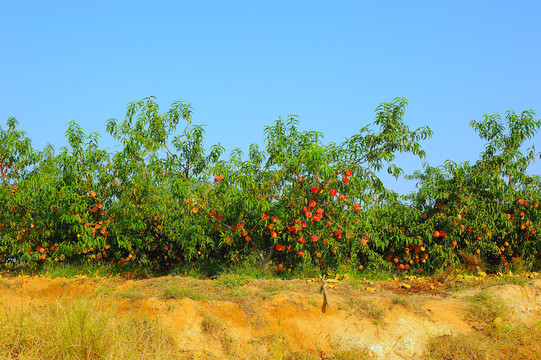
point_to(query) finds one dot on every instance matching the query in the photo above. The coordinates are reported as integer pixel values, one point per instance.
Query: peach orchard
(162, 199)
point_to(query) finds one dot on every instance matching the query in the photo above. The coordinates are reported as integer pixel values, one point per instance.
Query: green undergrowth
(237, 276)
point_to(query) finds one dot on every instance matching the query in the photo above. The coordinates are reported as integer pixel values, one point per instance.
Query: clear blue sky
(243, 64)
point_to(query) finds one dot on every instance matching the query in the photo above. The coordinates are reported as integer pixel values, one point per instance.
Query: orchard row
(163, 200)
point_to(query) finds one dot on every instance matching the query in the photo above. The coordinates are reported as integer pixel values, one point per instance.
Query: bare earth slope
(257, 319)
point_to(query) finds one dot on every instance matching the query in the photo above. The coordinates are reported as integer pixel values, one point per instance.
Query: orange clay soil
(217, 319)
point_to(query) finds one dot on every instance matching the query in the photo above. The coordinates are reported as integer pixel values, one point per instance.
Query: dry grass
(508, 343)
(82, 329)
(97, 327)
(368, 309)
(93, 328)
(278, 348)
(214, 328)
(175, 291)
(495, 337)
(483, 310)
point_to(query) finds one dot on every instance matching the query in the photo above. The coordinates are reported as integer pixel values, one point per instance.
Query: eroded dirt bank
(236, 318)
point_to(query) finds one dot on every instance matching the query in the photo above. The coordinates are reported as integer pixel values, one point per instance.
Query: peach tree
(491, 208)
(301, 200)
(17, 157)
(50, 199)
(161, 186)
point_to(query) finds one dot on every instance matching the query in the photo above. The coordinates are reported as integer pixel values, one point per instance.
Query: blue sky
(243, 64)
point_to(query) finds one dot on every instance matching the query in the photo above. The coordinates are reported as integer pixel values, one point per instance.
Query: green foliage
(163, 203)
(305, 201)
(490, 208)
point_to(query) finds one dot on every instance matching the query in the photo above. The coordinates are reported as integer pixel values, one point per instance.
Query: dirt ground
(232, 318)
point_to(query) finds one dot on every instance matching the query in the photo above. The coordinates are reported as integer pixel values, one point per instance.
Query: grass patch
(5, 284)
(509, 343)
(205, 270)
(82, 329)
(484, 309)
(275, 288)
(175, 291)
(272, 289)
(376, 314)
(368, 309)
(231, 281)
(371, 275)
(279, 348)
(132, 293)
(354, 354)
(401, 300)
(410, 304)
(253, 272)
(214, 328)
(306, 271)
(66, 270)
(507, 280)
(237, 293)
(211, 325)
(495, 338)
(456, 347)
